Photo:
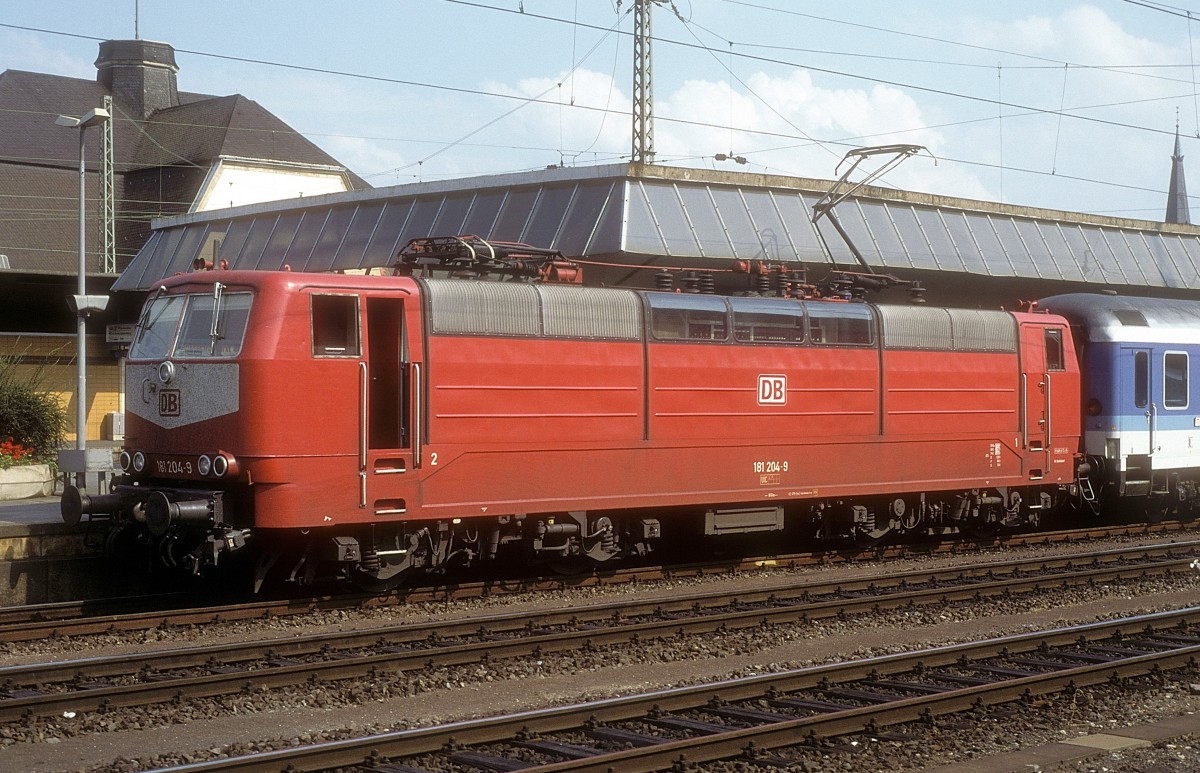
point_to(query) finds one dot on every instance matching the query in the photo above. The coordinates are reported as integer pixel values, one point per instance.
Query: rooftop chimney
(140, 74)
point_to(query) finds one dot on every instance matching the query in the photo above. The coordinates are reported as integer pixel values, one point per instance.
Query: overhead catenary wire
(605, 111)
(501, 95)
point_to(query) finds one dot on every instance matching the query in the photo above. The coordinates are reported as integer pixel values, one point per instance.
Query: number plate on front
(174, 466)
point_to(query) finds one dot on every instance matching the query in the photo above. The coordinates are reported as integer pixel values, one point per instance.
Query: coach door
(387, 442)
(1139, 384)
(1042, 364)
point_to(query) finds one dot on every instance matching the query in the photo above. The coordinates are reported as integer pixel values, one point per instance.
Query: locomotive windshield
(184, 326)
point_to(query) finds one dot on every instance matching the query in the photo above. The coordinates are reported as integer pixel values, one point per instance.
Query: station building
(172, 152)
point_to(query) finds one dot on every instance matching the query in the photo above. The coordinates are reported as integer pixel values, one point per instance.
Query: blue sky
(1067, 105)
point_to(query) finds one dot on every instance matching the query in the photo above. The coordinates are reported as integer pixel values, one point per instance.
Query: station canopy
(653, 215)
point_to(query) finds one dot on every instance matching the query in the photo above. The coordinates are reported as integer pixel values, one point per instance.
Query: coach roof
(1129, 319)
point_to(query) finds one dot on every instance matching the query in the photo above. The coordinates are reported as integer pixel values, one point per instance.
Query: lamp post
(81, 303)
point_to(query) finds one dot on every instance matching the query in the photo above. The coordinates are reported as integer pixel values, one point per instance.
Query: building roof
(39, 161)
(653, 216)
(1177, 199)
(204, 130)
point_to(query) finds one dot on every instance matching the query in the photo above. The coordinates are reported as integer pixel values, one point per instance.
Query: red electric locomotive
(369, 426)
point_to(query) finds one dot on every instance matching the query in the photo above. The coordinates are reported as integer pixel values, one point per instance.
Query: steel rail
(28, 614)
(410, 647)
(747, 742)
(83, 618)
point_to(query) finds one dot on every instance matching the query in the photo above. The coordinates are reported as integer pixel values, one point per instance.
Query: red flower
(11, 452)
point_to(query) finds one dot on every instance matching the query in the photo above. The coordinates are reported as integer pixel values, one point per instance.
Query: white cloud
(792, 108)
(587, 118)
(769, 127)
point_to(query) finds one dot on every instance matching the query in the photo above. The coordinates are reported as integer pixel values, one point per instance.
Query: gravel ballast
(195, 730)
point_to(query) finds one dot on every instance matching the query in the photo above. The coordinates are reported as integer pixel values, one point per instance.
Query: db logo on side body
(772, 389)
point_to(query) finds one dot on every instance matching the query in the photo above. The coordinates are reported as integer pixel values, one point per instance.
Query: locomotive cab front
(181, 490)
(268, 409)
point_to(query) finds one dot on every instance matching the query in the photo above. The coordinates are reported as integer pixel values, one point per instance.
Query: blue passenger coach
(1141, 421)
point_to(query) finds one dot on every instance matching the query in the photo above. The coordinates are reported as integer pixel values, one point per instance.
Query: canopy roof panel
(639, 214)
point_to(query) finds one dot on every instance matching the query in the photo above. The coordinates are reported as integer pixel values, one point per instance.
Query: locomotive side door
(387, 435)
(1043, 360)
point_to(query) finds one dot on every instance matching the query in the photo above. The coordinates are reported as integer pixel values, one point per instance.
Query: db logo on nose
(168, 402)
(772, 390)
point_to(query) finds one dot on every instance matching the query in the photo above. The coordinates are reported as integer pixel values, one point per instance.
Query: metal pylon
(643, 84)
(108, 219)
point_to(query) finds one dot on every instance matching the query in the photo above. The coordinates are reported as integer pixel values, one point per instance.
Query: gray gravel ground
(153, 736)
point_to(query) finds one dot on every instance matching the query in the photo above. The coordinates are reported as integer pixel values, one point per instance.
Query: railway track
(770, 720)
(107, 683)
(128, 614)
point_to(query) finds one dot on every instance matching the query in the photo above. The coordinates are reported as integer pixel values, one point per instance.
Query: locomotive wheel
(570, 566)
(369, 583)
(1154, 512)
(125, 550)
(871, 539)
(905, 514)
(981, 529)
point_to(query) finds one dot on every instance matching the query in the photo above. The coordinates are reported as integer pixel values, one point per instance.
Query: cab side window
(1055, 356)
(335, 330)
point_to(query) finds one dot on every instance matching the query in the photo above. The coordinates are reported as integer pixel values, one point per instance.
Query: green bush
(31, 416)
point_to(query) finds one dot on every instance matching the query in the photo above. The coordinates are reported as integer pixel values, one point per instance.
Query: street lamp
(81, 303)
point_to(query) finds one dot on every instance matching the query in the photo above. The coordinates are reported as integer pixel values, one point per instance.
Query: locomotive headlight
(225, 464)
(166, 372)
(139, 461)
(126, 461)
(1094, 407)
(204, 465)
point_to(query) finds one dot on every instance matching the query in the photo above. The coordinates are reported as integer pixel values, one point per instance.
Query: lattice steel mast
(108, 220)
(643, 84)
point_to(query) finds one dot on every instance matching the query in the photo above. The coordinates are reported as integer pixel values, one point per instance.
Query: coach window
(840, 323)
(760, 320)
(1141, 379)
(335, 326)
(1175, 380)
(1055, 356)
(676, 317)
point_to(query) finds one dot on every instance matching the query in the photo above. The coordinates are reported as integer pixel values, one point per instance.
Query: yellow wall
(55, 354)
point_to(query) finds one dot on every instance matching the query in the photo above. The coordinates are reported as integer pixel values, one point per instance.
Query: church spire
(1177, 200)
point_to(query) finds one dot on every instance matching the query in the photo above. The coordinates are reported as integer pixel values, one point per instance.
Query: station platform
(29, 512)
(43, 560)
